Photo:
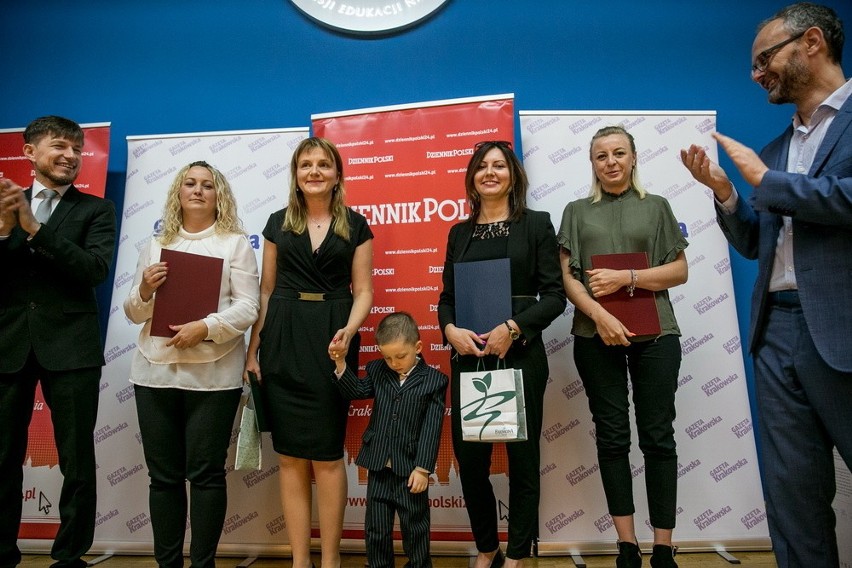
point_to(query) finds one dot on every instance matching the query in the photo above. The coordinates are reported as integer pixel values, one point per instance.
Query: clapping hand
(746, 160)
(706, 171)
(8, 220)
(15, 209)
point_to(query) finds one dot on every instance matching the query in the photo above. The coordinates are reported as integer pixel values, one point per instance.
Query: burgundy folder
(190, 292)
(638, 313)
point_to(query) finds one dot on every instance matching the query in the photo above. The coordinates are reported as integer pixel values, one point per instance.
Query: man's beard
(794, 80)
(61, 180)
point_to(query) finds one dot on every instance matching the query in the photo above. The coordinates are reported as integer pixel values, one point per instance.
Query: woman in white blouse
(188, 386)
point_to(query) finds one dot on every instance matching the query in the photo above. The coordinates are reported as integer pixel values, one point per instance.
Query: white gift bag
(492, 406)
(248, 441)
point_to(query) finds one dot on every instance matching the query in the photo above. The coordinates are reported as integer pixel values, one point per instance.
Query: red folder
(190, 292)
(638, 313)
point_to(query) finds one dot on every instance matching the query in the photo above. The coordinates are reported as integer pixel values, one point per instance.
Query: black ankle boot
(663, 556)
(629, 556)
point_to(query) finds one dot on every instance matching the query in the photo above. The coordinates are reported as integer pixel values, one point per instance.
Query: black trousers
(474, 458)
(387, 494)
(72, 397)
(653, 367)
(185, 437)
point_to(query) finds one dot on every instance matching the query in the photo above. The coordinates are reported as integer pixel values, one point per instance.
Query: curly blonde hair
(227, 220)
(296, 218)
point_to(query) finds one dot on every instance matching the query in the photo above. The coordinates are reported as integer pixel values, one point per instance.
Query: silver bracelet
(633, 280)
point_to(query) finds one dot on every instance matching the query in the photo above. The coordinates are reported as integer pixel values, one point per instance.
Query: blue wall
(168, 66)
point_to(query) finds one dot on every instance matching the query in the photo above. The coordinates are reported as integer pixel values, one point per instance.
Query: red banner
(42, 480)
(92, 179)
(404, 169)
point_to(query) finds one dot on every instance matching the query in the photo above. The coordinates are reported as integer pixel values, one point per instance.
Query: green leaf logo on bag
(485, 407)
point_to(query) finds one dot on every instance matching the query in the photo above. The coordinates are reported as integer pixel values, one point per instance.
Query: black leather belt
(785, 299)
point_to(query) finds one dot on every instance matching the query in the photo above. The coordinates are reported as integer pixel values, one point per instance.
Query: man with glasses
(798, 224)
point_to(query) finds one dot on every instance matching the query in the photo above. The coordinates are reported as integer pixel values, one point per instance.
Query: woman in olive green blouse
(620, 217)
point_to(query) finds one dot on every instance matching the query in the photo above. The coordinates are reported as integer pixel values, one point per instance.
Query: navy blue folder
(258, 396)
(483, 294)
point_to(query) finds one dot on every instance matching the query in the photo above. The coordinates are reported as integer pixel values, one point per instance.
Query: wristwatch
(514, 334)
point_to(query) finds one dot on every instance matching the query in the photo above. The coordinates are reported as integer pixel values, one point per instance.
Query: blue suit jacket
(820, 205)
(405, 426)
(47, 292)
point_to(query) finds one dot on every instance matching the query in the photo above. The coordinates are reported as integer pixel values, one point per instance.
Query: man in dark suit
(798, 225)
(56, 245)
(400, 445)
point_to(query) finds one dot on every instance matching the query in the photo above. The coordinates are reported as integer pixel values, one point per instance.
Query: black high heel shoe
(629, 555)
(663, 556)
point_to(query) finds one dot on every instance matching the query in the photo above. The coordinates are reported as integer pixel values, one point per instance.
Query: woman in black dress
(500, 226)
(315, 291)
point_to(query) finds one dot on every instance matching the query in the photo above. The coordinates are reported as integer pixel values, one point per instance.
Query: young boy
(400, 445)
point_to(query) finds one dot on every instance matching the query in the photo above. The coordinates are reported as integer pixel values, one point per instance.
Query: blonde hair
(596, 191)
(296, 218)
(227, 220)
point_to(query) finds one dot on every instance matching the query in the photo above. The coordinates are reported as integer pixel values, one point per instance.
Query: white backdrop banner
(257, 164)
(720, 500)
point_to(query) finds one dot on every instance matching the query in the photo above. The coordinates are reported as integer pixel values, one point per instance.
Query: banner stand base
(99, 559)
(578, 561)
(247, 562)
(727, 556)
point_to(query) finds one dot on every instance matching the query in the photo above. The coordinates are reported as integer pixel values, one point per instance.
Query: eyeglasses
(201, 163)
(499, 143)
(761, 62)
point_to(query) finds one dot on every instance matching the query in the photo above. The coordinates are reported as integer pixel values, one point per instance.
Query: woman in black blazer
(500, 226)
